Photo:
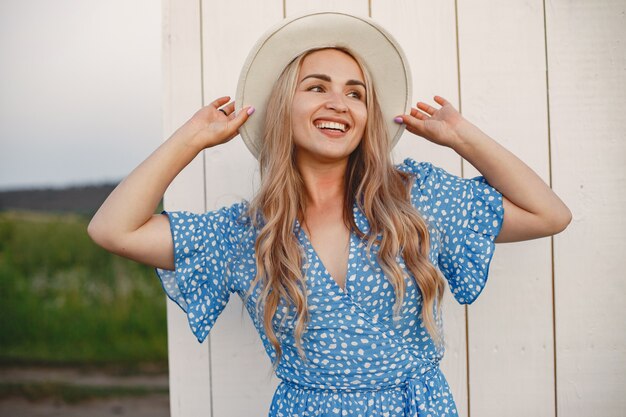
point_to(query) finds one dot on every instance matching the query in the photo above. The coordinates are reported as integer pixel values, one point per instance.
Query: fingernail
(250, 111)
(398, 120)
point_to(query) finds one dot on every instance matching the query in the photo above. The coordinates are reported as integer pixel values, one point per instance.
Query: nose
(336, 102)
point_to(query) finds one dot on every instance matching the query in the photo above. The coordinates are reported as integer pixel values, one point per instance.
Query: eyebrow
(326, 78)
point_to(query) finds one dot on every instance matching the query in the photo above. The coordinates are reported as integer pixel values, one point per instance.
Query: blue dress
(360, 361)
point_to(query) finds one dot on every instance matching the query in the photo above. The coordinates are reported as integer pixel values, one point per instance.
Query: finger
(229, 108)
(440, 100)
(239, 119)
(418, 114)
(219, 102)
(427, 108)
(413, 124)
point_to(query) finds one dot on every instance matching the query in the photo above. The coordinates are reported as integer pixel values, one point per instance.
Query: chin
(325, 156)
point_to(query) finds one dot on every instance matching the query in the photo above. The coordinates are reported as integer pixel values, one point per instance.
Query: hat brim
(379, 51)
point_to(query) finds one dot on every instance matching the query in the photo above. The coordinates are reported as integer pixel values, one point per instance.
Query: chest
(338, 264)
(329, 238)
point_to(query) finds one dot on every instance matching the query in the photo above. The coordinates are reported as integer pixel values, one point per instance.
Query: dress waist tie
(417, 393)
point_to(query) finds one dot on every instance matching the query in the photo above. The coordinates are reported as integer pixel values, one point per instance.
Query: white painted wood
(298, 7)
(242, 380)
(426, 32)
(503, 91)
(188, 360)
(587, 61)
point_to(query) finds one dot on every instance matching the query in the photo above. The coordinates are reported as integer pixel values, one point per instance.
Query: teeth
(331, 125)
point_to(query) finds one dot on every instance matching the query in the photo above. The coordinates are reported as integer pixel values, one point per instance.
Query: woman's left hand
(440, 126)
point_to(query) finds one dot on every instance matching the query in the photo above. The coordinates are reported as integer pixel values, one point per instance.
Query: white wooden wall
(547, 336)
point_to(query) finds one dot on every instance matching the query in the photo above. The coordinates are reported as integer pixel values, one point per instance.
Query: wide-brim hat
(281, 44)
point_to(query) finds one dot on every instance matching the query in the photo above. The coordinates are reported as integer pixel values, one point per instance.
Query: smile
(331, 126)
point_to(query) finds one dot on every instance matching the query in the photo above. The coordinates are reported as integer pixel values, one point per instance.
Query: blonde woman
(341, 256)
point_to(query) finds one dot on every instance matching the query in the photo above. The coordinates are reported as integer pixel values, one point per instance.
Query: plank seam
(458, 72)
(467, 360)
(556, 406)
(204, 184)
(554, 342)
(461, 162)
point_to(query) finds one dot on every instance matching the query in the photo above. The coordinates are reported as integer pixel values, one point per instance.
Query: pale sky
(80, 90)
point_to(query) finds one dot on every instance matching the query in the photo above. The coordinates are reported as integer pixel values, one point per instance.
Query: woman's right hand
(213, 124)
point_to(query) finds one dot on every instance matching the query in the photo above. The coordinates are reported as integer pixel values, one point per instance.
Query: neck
(324, 183)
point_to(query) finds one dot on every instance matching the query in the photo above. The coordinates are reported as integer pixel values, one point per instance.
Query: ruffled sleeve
(468, 215)
(204, 245)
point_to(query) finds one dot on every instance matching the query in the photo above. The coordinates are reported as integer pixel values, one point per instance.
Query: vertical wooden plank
(241, 376)
(182, 96)
(586, 61)
(503, 91)
(426, 31)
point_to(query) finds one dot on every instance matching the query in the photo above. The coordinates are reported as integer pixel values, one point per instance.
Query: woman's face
(328, 108)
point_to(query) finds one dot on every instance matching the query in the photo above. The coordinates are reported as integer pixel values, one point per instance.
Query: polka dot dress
(360, 360)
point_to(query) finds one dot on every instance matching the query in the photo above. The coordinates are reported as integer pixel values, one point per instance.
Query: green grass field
(72, 394)
(63, 300)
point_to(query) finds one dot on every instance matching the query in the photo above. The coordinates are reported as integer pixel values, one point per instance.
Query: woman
(339, 257)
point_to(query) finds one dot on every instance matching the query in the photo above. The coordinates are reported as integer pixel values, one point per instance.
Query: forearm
(135, 199)
(517, 182)
(126, 224)
(531, 209)
(503, 170)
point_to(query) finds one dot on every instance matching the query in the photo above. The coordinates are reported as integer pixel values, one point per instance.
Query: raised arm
(531, 208)
(125, 224)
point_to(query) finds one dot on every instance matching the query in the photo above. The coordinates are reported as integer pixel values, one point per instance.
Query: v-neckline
(326, 273)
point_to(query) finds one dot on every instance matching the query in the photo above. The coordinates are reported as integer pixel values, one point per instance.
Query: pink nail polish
(398, 120)
(250, 111)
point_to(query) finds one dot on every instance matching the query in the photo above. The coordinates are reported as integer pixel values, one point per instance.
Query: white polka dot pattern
(360, 360)
(468, 215)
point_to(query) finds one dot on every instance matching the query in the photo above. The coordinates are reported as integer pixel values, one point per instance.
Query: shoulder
(233, 221)
(430, 179)
(227, 224)
(427, 179)
(425, 174)
(448, 197)
(235, 215)
(415, 168)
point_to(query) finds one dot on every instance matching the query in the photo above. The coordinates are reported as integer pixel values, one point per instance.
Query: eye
(355, 94)
(316, 89)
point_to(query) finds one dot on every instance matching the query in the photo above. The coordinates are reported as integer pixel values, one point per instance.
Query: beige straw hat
(379, 51)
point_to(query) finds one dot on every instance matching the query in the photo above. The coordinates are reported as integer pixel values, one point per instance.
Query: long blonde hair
(379, 190)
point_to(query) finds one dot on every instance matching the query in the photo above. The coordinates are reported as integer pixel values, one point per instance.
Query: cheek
(298, 112)
(361, 118)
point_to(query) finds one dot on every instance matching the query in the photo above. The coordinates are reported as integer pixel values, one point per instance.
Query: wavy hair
(378, 189)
